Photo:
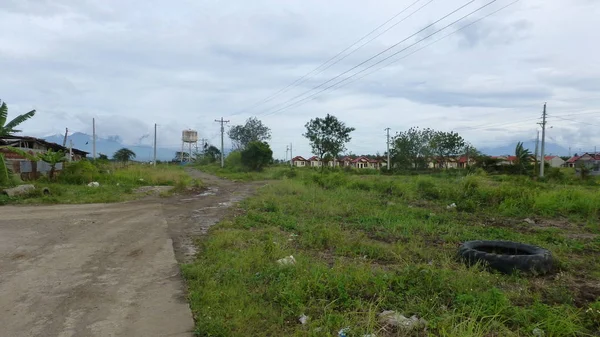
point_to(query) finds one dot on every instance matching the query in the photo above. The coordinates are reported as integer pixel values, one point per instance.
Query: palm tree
(522, 157)
(7, 129)
(124, 155)
(52, 158)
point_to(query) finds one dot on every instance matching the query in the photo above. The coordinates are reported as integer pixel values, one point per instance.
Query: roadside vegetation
(116, 182)
(366, 244)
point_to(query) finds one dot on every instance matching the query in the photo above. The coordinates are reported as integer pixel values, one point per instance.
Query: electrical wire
(384, 59)
(572, 120)
(377, 55)
(321, 67)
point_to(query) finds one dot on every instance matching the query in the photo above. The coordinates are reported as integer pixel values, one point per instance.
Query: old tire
(507, 256)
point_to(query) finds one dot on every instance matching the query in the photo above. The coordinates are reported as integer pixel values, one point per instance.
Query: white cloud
(131, 64)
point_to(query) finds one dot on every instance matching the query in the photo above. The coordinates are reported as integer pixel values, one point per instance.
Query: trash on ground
(451, 206)
(529, 221)
(344, 332)
(286, 261)
(303, 319)
(391, 319)
(94, 184)
(537, 332)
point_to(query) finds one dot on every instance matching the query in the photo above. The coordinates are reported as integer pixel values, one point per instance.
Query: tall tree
(412, 148)
(124, 155)
(327, 135)
(257, 155)
(52, 158)
(446, 145)
(253, 131)
(523, 156)
(7, 129)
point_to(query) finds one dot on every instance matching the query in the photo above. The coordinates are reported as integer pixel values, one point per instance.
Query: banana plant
(7, 129)
(52, 158)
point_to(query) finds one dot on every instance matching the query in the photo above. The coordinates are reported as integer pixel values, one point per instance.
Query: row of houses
(590, 160)
(23, 166)
(361, 162)
(553, 161)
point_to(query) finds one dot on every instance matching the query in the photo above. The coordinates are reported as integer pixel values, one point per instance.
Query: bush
(257, 155)
(233, 161)
(80, 172)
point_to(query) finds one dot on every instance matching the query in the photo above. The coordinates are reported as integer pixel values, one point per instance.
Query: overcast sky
(183, 64)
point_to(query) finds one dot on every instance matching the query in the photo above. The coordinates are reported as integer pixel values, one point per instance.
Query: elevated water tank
(189, 136)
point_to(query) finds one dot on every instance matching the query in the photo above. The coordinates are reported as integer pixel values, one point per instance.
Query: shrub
(81, 172)
(233, 161)
(256, 155)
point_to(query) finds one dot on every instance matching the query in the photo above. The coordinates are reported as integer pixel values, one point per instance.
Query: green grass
(365, 244)
(117, 184)
(238, 174)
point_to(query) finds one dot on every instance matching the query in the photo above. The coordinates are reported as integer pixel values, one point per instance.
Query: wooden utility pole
(94, 138)
(388, 149)
(65, 139)
(542, 155)
(222, 140)
(154, 144)
(292, 156)
(537, 141)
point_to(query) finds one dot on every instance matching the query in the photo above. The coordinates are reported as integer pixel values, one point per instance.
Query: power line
(572, 120)
(320, 68)
(429, 44)
(386, 58)
(369, 59)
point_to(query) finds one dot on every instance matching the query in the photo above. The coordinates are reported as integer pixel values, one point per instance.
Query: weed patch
(365, 244)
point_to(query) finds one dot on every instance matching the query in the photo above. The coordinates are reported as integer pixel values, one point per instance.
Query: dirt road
(104, 269)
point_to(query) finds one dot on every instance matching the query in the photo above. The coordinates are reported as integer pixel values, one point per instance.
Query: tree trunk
(51, 173)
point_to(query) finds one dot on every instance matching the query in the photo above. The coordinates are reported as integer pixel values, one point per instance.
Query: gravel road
(105, 269)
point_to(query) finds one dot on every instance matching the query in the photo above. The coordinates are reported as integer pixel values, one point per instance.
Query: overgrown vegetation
(116, 183)
(365, 244)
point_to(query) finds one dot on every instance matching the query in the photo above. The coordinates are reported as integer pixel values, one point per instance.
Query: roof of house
(551, 157)
(298, 158)
(573, 159)
(313, 158)
(56, 147)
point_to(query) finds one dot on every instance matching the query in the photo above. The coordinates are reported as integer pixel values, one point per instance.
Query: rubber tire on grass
(514, 256)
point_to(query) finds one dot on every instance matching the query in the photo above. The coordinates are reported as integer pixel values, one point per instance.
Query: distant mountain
(111, 144)
(550, 149)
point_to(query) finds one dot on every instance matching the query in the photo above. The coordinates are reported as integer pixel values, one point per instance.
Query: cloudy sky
(183, 64)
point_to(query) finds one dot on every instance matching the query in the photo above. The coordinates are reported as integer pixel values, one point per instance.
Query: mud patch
(152, 189)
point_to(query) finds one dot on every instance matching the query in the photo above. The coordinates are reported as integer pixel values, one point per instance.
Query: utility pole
(65, 139)
(537, 142)
(94, 138)
(70, 150)
(287, 148)
(388, 148)
(222, 140)
(154, 144)
(291, 156)
(543, 141)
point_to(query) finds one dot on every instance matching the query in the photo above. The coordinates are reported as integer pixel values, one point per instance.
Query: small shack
(26, 168)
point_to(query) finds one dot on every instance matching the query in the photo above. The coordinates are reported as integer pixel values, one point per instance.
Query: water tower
(189, 138)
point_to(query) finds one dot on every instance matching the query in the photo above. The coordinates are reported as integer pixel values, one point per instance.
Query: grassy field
(237, 173)
(117, 183)
(365, 244)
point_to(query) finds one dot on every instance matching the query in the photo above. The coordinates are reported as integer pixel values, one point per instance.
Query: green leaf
(3, 116)
(18, 120)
